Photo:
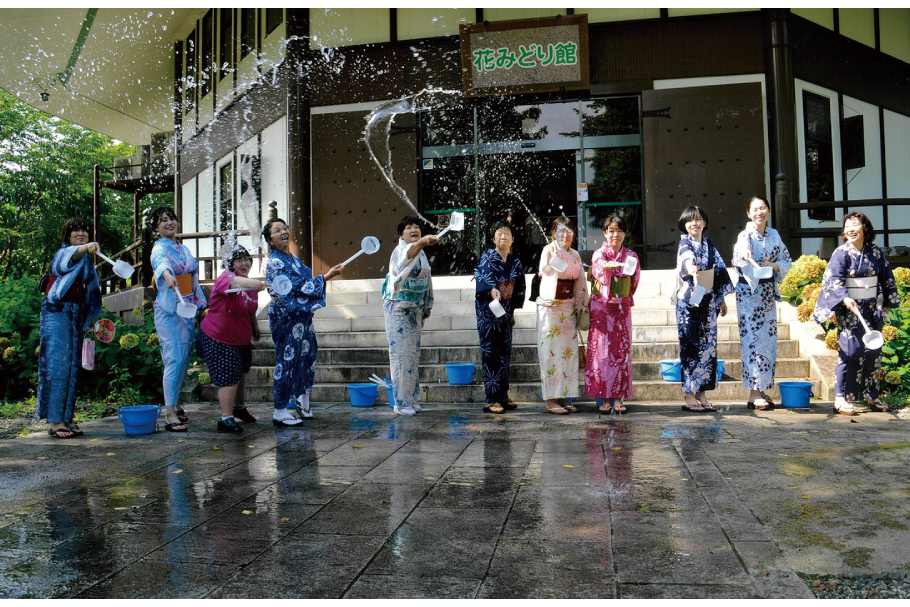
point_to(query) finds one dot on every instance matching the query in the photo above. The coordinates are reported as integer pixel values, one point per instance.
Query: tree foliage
(46, 177)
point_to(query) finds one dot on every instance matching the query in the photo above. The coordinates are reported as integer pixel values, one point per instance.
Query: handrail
(839, 204)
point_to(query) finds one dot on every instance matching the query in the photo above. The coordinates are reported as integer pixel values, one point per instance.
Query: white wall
(206, 210)
(866, 183)
(274, 150)
(897, 172)
(188, 221)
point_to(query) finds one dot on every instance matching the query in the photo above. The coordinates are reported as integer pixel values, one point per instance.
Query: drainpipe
(782, 114)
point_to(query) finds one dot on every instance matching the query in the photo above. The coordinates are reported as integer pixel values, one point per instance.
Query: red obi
(75, 294)
(505, 288)
(565, 289)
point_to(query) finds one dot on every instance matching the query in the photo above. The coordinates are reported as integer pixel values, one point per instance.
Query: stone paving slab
(455, 503)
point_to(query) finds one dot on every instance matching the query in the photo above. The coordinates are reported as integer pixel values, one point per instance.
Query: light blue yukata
(756, 304)
(175, 333)
(407, 296)
(291, 324)
(62, 325)
(697, 325)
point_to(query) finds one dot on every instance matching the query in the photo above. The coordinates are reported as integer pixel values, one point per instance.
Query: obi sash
(565, 289)
(75, 294)
(506, 288)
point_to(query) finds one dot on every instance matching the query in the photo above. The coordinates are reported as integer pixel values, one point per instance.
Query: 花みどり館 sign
(525, 56)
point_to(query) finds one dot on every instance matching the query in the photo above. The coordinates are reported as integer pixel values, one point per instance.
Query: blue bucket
(720, 369)
(460, 374)
(795, 394)
(363, 395)
(390, 391)
(671, 370)
(139, 419)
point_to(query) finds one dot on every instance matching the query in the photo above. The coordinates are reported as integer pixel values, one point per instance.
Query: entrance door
(703, 146)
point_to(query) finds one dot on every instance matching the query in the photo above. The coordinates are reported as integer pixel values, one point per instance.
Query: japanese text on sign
(561, 53)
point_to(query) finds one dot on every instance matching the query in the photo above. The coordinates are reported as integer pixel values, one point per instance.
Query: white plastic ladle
(760, 272)
(121, 268)
(628, 267)
(369, 245)
(496, 308)
(184, 310)
(873, 340)
(456, 222)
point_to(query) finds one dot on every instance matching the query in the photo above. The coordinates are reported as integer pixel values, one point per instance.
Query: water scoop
(628, 268)
(184, 309)
(760, 272)
(456, 222)
(698, 293)
(873, 340)
(497, 308)
(121, 268)
(558, 263)
(369, 245)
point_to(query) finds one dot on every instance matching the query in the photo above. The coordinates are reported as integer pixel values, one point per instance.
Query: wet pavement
(455, 503)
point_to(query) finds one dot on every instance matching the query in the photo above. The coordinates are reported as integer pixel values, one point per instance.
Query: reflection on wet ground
(449, 503)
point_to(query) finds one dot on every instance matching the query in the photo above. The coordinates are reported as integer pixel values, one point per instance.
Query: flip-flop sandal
(67, 433)
(693, 408)
(556, 411)
(620, 408)
(490, 409)
(605, 408)
(181, 415)
(877, 406)
(754, 406)
(708, 408)
(509, 405)
(570, 408)
(172, 427)
(75, 429)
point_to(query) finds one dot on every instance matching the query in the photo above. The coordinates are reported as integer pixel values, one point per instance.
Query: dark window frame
(247, 32)
(273, 18)
(191, 73)
(819, 156)
(206, 51)
(225, 43)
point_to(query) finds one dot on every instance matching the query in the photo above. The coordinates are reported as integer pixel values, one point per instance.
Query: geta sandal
(494, 408)
(556, 411)
(67, 433)
(509, 405)
(181, 415)
(175, 427)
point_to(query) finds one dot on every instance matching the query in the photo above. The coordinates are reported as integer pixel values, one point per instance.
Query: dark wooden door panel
(703, 146)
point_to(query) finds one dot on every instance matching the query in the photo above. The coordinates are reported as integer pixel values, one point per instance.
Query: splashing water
(379, 129)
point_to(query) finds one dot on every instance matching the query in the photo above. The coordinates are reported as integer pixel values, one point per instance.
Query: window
(273, 18)
(189, 81)
(225, 42)
(247, 31)
(205, 55)
(819, 154)
(226, 196)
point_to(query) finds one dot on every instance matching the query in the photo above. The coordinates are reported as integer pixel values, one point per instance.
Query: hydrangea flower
(205, 379)
(831, 340)
(129, 341)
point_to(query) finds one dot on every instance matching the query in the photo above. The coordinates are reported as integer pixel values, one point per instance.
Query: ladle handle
(444, 230)
(106, 258)
(353, 257)
(179, 296)
(863, 322)
(752, 261)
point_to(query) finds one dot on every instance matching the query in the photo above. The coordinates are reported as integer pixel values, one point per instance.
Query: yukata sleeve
(580, 295)
(400, 266)
(307, 293)
(890, 296)
(783, 261)
(740, 248)
(600, 271)
(483, 279)
(430, 298)
(684, 253)
(834, 288)
(544, 269)
(721, 276)
(518, 291)
(636, 278)
(160, 262)
(63, 262)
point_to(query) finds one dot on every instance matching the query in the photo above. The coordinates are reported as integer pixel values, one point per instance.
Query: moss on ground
(857, 557)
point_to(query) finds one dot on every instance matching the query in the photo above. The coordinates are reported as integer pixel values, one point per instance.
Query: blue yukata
(62, 325)
(175, 333)
(495, 334)
(697, 325)
(407, 297)
(858, 370)
(291, 324)
(756, 304)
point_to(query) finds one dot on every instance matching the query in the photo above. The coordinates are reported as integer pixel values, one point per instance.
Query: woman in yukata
(72, 304)
(499, 276)
(858, 280)
(705, 283)
(175, 271)
(756, 300)
(225, 333)
(291, 324)
(562, 297)
(608, 371)
(407, 301)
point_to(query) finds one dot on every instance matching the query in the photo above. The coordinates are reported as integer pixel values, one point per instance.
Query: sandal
(66, 432)
(509, 405)
(175, 427)
(843, 407)
(181, 415)
(570, 408)
(693, 408)
(75, 429)
(877, 406)
(767, 398)
(621, 407)
(556, 411)
(494, 408)
(605, 407)
(760, 404)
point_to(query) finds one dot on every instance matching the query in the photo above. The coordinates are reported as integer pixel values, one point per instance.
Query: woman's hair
(238, 253)
(762, 198)
(406, 221)
(73, 225)
(691, 212)
(561, 220)
(267, 230)
(502, 224)
(157, 215)
(614, 218)
(868, 230)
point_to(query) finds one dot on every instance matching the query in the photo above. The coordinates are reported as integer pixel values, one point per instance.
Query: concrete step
(523, 392)
(519, 372)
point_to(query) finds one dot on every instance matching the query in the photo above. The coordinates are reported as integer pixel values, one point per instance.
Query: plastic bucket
(720, 369)
(795, 394)
(460, 374)
(139, 419)
(363, 395)
(390, 391)
(671, 370)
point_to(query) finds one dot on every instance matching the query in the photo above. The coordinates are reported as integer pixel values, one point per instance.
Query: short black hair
(762, 198)
(689, 214)
(239, 252)
(502, 224)
(406, 221)
(157, 215)
(562, 219)
(72, 225)
(615, 218)
(267, 230)
(868, 230)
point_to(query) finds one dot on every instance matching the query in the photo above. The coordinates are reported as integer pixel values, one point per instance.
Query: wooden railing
(883, 203)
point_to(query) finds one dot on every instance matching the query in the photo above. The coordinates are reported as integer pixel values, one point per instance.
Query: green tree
(46, 172)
